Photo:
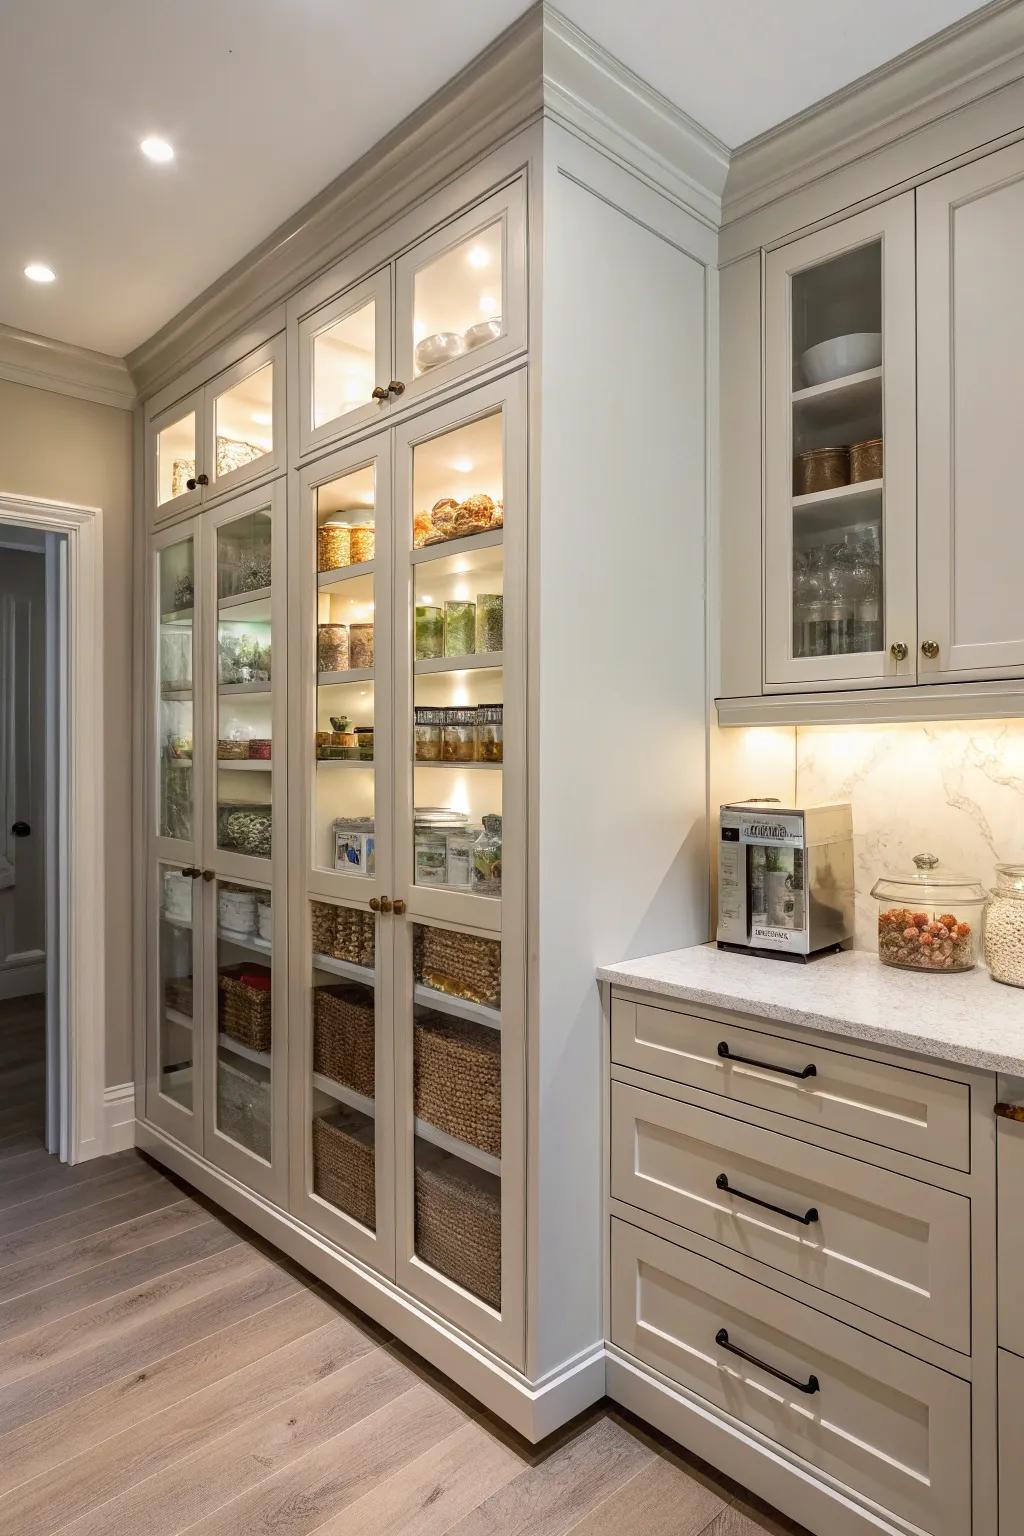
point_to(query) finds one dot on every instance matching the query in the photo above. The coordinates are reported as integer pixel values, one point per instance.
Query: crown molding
(42, 363)
(966, 61)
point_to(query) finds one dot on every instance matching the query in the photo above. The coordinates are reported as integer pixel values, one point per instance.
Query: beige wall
(55, 447)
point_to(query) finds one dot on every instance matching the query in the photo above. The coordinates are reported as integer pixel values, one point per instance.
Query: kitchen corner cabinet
(220, 437)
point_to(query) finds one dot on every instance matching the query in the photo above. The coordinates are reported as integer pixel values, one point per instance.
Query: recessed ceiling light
(39, 272)
(158, 150)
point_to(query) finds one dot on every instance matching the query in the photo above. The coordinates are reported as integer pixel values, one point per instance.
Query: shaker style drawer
(888, 1426)
(895, 1246)
(1010, 1175)
(896, 1107)
(1011, 1463)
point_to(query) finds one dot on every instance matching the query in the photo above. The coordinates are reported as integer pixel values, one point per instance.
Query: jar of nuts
(929, 919)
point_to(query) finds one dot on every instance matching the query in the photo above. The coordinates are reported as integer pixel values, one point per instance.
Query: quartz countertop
(965, 1018)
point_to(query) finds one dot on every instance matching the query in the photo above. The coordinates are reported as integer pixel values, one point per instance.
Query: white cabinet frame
(377, 288)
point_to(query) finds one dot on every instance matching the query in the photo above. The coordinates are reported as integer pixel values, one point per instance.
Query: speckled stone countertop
(967, 1018)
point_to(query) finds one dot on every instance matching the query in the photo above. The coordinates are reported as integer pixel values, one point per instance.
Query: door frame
(81, 879)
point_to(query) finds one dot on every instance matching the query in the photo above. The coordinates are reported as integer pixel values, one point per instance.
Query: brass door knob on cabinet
(930, 648)
(381, 392)
(898, 651)
(209, 874)
(1010, 1111)
(203, 479)
(380, 903)
(396, 387)
(374, 903)
(398, 906)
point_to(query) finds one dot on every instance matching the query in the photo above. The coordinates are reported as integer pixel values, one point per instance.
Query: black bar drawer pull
(766, 1066)
(809, 1217)
(810, 1386)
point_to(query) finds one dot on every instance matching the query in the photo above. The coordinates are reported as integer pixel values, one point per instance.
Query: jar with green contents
(459, 628)
(459, 736)
(490, 621)
(429, 632)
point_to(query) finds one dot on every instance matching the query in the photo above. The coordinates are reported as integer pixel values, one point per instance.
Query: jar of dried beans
(1004, 926)
(929, 919)
(360, 645)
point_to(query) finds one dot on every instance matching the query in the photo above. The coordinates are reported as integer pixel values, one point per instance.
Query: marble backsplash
(950, 788)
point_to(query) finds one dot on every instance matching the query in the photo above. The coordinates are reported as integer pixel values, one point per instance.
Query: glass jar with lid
(428, 723)
(929, 918)
(459, 736)
(1004, 926)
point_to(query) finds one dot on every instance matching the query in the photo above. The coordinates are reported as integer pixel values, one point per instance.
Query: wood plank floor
(163, 1372)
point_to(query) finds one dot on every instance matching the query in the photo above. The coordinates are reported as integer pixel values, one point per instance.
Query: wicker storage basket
(866, 460)
(343, 1036)
(244, 992)
(344, 1163)
(178, 994)
(457, 1080)
(243, 1105)
(459, 964)
(821, 469)
(343, 933)
(458, 1223)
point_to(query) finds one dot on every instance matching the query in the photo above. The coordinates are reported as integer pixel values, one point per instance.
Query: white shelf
(458, 1007)
(180, 694)
(345, 762)
(233, 690)
(261, 1058)
(172, 1016)
(251, 941)
(246, 764)
(345, 968)
(343, 573)
(469, 1154)
(492, 660)
(443, 551)
(175, 922)
(344, 1095)
(839, 493)
(259, 598)
(177, 762)
(180, 616)
(353, 675)
(460, 767)
(848, 399)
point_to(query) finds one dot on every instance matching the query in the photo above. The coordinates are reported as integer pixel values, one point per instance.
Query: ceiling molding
(964, 62)
(592, 93)
(63, 369)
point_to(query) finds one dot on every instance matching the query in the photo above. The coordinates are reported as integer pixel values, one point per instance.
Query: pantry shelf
(344, 573)
(444, 551)
(458, 1007)
(259, 599)
(175, 693)
(246, 764)
(234, 690)
(845, 399)
(477, 662)
(172, 1016)
(838, 493)
(259, 1058)
(345, 762)
(249, 941)
(340, 679)
(184, 616)
(462, 1149)
(469, 767)
(344, 1095)
(346, 968)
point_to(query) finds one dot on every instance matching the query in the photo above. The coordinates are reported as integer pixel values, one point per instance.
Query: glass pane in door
(458, 654)
(243, 422)
(457, 1105)
(344, 826)
(343, 1065)
(344, 358)
(244, 947)
(244, 661)
(175, 458)
(838, 491)
(457, 300)
(176, 598)
(176, 985)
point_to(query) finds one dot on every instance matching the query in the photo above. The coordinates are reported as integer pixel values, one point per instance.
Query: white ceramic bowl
(479, 335)
(439, 349)
(842, 355)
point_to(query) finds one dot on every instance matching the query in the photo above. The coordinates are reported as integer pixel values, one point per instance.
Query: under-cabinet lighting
(39, 272)
(157, 150)
(367, 498)
(426, 601)
(462, 466)
(488, 304)
(478, 256)
(263, 418)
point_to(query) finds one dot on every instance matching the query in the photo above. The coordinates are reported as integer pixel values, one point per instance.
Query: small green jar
(459, 628)
(429, 632)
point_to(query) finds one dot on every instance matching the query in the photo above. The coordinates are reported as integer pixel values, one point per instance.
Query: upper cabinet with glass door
(220, 437)
(840, 500)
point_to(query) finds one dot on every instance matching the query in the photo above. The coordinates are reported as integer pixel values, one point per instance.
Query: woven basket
(457, 1080)
(245, 1009)
(343, 933)
(866, 460)
(458, 1224)
(344, 1164)
(243, 1106)
(343, 1036)
(459, 964)
(178, 994)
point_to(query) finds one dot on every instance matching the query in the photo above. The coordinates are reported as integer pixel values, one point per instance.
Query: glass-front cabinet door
(244, 419)
(173, 466)
(344, 349)
(840, 474)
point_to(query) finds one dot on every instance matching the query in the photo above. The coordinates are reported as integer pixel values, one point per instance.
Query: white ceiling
(266, 101)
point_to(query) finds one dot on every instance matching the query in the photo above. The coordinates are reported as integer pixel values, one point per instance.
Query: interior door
(839, 454)
(970, 255)
(22, 763)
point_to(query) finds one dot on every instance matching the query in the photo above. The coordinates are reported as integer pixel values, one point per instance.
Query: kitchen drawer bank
(801, 1280)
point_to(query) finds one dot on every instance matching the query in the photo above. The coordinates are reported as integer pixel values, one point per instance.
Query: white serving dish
(479, 335)
(842, 355)
(441, 348)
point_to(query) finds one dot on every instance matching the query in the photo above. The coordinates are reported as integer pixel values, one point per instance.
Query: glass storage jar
(489, 733)
(459, 628)
(459, 736)
(489, 621)
(428, 723)
(332, 648)
(1004, 926)
(929, 919)
(429, 632)
(360, 646)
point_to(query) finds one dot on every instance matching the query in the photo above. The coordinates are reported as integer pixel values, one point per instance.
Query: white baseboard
(119, 1117)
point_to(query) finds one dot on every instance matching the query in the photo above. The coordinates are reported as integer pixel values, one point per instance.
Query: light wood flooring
(162, 1372)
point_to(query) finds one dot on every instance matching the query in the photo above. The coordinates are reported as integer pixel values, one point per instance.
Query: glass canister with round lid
(1004, 926)
(929, 918)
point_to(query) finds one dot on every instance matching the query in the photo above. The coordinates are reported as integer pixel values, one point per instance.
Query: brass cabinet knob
(374, 903)
(1010, 1111)
(898, 651)
(396, 387)
(385, 903)
(381, 392)
(930, 648)
(209, 874)
(398, 906)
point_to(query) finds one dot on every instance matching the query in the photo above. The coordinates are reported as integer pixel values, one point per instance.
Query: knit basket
(245, 1005)
(344, 1163)
(343, 1036)
(459, 964)
(343, 933)
(458, 1224)
(243, 1105)
(457, 1079)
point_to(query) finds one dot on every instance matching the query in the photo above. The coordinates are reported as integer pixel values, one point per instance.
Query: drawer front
(888, 1426)
(1010, 1160)
(890, 1244)
(1011, 1463)
(892, 1106)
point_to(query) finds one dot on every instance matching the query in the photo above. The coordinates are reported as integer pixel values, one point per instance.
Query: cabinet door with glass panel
(243, 782)
(344, 361)
(176, 729)
(840, 471)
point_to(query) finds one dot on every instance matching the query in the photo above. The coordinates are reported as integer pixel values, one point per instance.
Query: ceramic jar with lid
(1004, 926)
(929, 918)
